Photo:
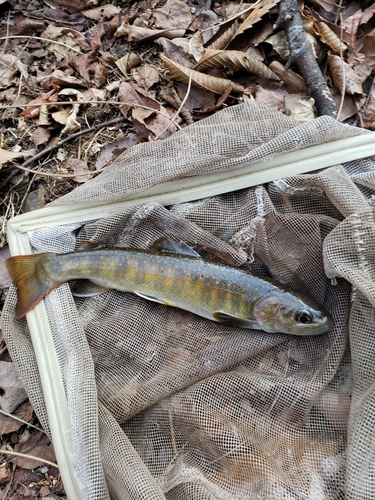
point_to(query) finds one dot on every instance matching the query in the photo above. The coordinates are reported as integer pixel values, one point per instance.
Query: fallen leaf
(9, 424)
(176, 49)
(41, 135)
(127, 62)
(256, 15)
(12, 392)
(9, 64)
(103, 12)
(72, 125)
(175, 14)
(145, 76)
(112, 150)
(6, 155)
(85, 65)
(293, 82)
(66, 36)
(302, 110)
(35, 199)
(196, 48)
(61, 116)
(33, 111)
(368, 114)
(237, 60)
(140, 34)
(344, 76)
(37, 444)
(214, 84)
(79, 167)
(5, 472)
(59, 79)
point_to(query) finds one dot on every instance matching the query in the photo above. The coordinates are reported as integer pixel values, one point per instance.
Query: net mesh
(165, 404)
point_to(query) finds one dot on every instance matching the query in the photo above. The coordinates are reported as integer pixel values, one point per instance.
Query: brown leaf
(256, 15)
(11, 388)
(60, 79)
(37, 444)
(220, 42)
(235, 59)
(146, 76)
(140, 34)
(112, 150)
(103, 12)
(175, 14)
(33, 111)
(6, 155)
(291, 81)
(8, 424)
(79, 167)
(344, 75)
(127, 62)
(329, 37)
(200, 80)
(8, 64)
(85, 64)
(41, 135)
(368, 114)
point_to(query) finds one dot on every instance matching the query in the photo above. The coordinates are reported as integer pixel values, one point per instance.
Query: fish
(175, 275)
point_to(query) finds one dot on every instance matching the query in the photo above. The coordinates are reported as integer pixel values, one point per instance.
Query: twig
(23, 455)
(301, 55)
(57, 145)
(178, 111)
(40, 38)
(20, 420)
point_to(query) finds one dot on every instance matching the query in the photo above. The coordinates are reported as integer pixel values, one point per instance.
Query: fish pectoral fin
(164, 244)
(228, 319)
(152, 299)
(86, 288)
(88, 245)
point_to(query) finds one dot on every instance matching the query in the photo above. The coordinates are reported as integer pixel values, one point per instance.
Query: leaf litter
(69, 65)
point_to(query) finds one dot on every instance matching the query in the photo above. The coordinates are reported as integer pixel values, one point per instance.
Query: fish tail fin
(31, 283)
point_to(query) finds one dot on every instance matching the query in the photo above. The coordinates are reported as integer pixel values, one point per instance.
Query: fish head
(292, 313)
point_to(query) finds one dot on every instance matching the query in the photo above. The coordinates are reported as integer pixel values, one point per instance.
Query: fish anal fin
(231, 320)
(164, 244)
(86, 288)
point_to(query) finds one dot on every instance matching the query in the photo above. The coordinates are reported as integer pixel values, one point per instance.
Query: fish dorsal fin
(86, 288)
(164, 244)
(88, 245)
(229, 319)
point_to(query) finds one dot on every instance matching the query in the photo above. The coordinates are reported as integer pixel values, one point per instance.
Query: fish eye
(303, 316)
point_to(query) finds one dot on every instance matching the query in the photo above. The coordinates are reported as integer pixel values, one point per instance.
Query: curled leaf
(237, 60)
(256, 15)
(212, 83)
(128, 61)
(329, 38)
(344, 75)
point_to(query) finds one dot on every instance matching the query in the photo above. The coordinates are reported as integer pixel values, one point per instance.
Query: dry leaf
(256, 15)
(103, 12)
(344, 76)
(12, 390)
(302, 110)
(200, 80)
(293, 82)
(140, 34)
(5, 280)
(9, 64)
(33, 111)
(37, 444)
(72, 125)
(196, 48)
(41, 136)
(9, 424)
(221, 41)
(112, 150)
(5, 472)
(79, 167)
(235, 59)
(61, 116)
(176, 49)
(368, 114)
(175, 14)
(6, 155)
(280, 44)
(127, 62)
(329, 37)
(67, 36)
(145, 76)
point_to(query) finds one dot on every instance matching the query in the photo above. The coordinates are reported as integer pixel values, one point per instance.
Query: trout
(173, 275)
